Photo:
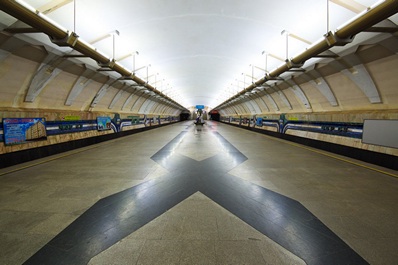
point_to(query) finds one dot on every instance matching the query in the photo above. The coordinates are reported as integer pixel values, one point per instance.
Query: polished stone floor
(185, 197)
(196, 231)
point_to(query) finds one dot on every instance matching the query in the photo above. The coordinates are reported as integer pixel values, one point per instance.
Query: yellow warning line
(333, 156)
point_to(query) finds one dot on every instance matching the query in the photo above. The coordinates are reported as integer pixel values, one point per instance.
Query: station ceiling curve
(199, 52)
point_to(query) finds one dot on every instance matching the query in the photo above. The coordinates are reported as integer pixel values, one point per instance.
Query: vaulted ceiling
(199, 52)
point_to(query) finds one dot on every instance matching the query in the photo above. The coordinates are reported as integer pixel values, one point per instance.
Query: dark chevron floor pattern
(280, 218)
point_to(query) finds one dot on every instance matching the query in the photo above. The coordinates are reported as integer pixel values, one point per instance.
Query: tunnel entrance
(214, 115)
(184, 116)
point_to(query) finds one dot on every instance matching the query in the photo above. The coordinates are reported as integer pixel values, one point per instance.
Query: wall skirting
(380, 159)
(18, 157)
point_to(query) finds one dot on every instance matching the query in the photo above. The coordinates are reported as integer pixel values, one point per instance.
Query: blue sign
(22, 130)
(200, 106)
(104, 123)
(259, 122)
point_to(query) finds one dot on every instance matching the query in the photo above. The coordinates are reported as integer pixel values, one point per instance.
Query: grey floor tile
(161, 252)
(53, 225)
(15, 248)
(20, 222)
(182, 237)
(276, 255)
(356, 203)
(154, 230)
(377, 251)
(173, 228)
(238, 252)
(199, 228)
(198, 252)
(125, 252)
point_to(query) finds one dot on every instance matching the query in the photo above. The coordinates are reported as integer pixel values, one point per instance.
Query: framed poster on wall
(23, 130)
(104, 123)
(380, 132)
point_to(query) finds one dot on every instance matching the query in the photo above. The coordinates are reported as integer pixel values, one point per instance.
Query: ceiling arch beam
(137, 101)
(63, 37)
(102, 91)
(151, 106)
(360, 76)
(282, 96)
(341, 36)
(298, 91)
(136, 89)
(144, 105)
(47, 71)
(314, 78)
(260, 99)
(82, 82)
(271, 99)
(255, 107)
(118, 96)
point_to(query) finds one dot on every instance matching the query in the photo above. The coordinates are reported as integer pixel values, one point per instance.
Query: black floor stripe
(106, 222)
(280, 218)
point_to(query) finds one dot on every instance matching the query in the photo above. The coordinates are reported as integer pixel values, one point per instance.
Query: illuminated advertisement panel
(23, 130)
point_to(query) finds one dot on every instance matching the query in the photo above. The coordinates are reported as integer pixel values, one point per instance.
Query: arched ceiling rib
(64, 38)
(343, 36)
(201, 47)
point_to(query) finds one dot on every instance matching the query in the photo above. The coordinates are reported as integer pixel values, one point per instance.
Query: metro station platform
(178, 195)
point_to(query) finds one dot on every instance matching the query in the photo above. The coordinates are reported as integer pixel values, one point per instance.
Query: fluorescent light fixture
(51, 21)
(103, 54)
(360, 14)
(26, 5)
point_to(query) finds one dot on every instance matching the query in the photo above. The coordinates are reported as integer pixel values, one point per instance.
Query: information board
(22, 130)
(104, 123)
(381, 132)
